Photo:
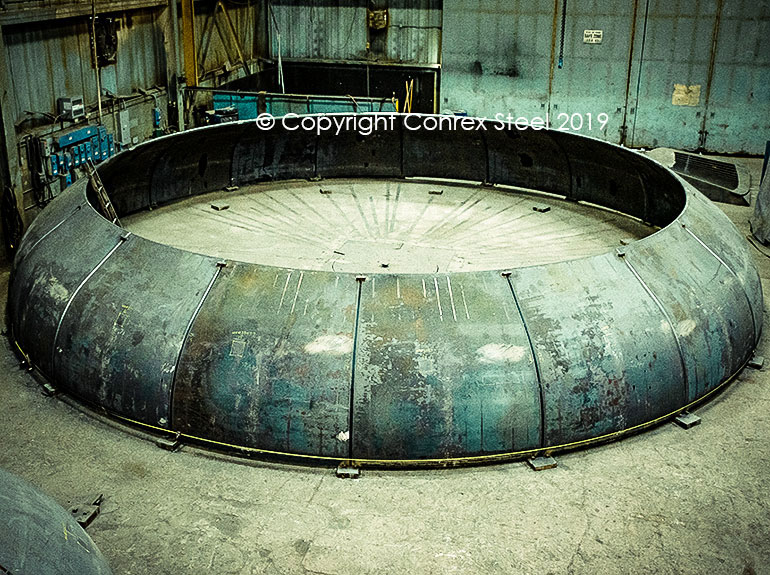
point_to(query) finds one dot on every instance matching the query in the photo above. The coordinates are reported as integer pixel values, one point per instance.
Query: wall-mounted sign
(592, 36)
(685, 95)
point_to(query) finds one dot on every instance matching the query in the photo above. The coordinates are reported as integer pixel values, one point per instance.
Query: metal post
(10, 174)
(188, 38)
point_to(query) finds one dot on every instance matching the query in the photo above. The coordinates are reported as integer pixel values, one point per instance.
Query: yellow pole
(188, 41)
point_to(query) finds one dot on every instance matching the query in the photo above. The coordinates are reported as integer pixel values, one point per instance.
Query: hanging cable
(563, 29)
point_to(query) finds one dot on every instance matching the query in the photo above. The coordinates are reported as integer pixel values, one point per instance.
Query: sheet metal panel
(459, 154)
(62, 207)
(677, 48)
(443, 369)
(52, 59)
(141, 57)
(49, 277)
(42, 537)
(202, 164)
(351, 154)
(333, 30)
(594, 77)
(273, 155)
(607, 356)
(337, 30)
(46, 61)
(414, 33)
(712, 227)
(496, 55)
(129, 186)
(738, 117)
(600, 174)
(267, 363)
(706, 305)
(528, 159)
(120, 339)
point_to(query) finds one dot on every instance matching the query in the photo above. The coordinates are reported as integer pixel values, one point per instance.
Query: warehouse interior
(686, 84)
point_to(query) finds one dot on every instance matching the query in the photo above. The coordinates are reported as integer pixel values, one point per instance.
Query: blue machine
(75, 148)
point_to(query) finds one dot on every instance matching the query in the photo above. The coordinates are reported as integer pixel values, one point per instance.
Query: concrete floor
(665, 501)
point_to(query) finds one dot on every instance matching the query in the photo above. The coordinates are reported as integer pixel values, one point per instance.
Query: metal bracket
(756, 362)
(85, 514)
(542, 463)
(49, 390)
(541, 208)
(347, 471)
(686, 420)
(169, 444)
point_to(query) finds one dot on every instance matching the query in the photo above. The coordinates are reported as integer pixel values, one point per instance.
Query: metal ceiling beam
(14, 15)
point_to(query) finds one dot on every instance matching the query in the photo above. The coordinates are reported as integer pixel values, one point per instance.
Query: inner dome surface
(386, 226)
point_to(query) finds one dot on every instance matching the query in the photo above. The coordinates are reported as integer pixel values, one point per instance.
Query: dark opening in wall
(348, 79)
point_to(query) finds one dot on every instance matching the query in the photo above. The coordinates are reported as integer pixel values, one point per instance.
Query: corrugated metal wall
(52, 59)
(336, 30)
(502, 56)
(496, 56)
(48, 60)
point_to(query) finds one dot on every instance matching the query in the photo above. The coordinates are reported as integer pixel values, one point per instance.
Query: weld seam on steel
(670, 322)
(534, 359)
(353, 371)
(645, 199)
(315, 157)
(570, 192)
(121, 241)
(52, 230)
(488, 169)
(187, 331)
(735, 275)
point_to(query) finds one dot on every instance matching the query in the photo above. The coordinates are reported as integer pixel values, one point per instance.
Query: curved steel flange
(392, 369)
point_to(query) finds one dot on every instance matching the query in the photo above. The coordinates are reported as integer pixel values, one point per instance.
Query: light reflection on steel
(389, 369)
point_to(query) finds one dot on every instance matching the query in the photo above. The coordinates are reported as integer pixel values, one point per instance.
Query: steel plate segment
(448, 153)
(39, 536)
(712, 227)
(353, 154)
(62, 207)
(608, 359)
(267, 362)
(621, 180)
(273, 155)
(704, 301)
(443, 369)
(528, 159)
(120, 339)
(127, 176)
(44, 284)
(201, 163)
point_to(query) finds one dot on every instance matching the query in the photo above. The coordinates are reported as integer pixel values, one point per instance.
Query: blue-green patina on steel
(398, 369)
